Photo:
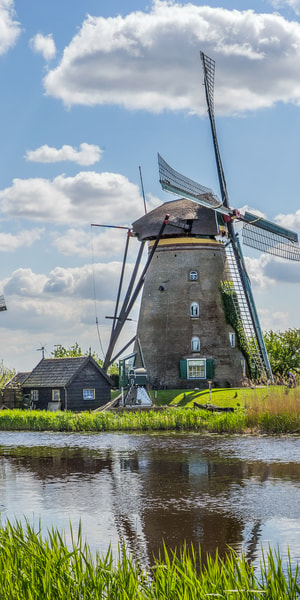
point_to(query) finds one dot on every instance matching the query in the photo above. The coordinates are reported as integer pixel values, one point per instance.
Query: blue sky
(90, 91)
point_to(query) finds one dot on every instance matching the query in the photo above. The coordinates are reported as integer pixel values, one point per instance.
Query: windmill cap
(203, 220)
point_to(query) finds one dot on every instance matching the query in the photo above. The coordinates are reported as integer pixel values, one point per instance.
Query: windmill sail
(245, 306)
(2, 304)
(257, 232)
(209, 77)
(176, 183)
(236, 273)
(269, 237)
(250, 336)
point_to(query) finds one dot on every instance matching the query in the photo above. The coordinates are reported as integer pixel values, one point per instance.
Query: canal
(212, 490)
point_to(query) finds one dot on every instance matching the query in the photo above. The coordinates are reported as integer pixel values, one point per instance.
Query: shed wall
(88, 378)
(45, 396)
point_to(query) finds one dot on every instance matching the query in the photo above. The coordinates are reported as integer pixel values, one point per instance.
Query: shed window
(195, 344)
(89, 394)
(34, 395)
(196, 369)
(194, 309)
(193, 276)
(55, 395)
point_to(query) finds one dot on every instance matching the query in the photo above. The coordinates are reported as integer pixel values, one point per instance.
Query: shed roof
(59, 372)
(17, 380)
(203, 220)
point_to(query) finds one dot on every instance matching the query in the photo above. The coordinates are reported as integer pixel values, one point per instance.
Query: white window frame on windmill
(193, 275)
(196, 368)
(195, 343)
(56, 395)
(232, 339)
(194, 310)
(243, 365)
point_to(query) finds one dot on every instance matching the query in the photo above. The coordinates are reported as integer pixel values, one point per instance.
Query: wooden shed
(75, 384)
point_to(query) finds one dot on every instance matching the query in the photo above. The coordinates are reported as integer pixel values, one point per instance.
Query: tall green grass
(273, 410)
(165, 420)
(35, 568)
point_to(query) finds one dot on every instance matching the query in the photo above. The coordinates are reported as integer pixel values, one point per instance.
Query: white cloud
(63, 283)
(293, 4)
(10, 242)
(152, 201)
(78, 281)
(25, 283)
(151, 60)
(44, 45)
(9, 28)
(256, 268)
(73, 242)
(86, 198)
(87, 155)
(275, 320)
(290, 221)
(254, 211)
(102, 244)
(267, 270)
(60, 307)
(282, 271)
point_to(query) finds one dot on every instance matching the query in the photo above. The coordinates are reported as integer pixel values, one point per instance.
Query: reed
(277, 412)
(33, 567)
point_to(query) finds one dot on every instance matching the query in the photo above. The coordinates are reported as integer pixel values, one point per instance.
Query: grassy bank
(276, 410)
(166, 420)
(32, 567)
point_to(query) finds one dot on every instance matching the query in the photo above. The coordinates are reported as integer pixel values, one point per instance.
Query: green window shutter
(183, 369)
(210, 368)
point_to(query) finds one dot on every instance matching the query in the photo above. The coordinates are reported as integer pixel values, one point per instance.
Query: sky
(90, 92)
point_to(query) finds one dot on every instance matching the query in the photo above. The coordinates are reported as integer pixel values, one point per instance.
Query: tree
(283, 348)
(62, 352)
(75, 350)
(5, 374)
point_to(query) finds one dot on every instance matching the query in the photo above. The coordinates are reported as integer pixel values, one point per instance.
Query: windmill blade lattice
(2, 303)
(208, 65)
(244, 305)
(176, 183)
(269, 237)
(249, 331)
(209, 69)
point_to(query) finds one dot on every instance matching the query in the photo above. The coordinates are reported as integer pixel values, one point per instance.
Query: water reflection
(212, 490)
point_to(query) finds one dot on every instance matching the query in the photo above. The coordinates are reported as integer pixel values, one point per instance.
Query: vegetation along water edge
(261, 410)
(33, 567)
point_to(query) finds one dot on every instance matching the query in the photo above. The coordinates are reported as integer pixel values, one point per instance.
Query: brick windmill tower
(182, 329)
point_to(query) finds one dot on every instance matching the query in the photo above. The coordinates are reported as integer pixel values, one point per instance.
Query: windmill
(198, 320)
(42, 349)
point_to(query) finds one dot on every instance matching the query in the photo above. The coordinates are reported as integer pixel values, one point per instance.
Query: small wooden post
(209, 385)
